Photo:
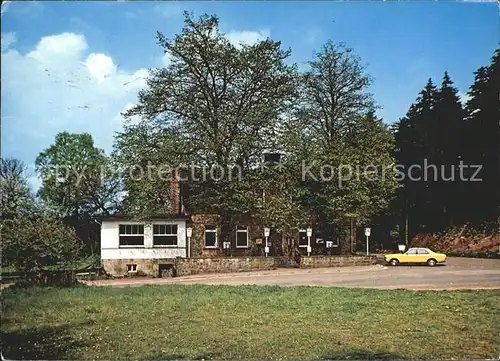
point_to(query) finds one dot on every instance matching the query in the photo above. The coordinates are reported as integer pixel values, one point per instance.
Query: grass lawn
(248, 322)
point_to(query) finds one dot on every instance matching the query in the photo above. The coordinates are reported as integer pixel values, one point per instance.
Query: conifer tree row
(440, 131)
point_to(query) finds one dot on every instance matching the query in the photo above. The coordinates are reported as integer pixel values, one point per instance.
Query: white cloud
(247, 37)
(8, 39)
(60, 86)
(57, 45)
(100, 66)
(57, 52)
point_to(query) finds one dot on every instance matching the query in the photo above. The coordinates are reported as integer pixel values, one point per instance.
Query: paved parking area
(459, 273)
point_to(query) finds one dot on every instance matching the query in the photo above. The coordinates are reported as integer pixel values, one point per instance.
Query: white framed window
(241, 237)
(303, 238)
(131, 268)
(131, 235)
(164, 235)
(210, 236)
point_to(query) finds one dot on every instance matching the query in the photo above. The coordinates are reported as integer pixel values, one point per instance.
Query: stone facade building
(150, 247)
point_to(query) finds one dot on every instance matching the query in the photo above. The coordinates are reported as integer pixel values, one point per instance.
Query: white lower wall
(110, 242)
(144, 253)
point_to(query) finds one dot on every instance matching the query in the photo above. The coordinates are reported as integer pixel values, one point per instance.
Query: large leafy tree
(16, 199)
(339, 122)
(222, 105)
(139, 147)
(283, 197)
(288, 202)
(31, 241)
(215, 105)
(76, 177)
(35, 244)
(78, 184)
(335, 93)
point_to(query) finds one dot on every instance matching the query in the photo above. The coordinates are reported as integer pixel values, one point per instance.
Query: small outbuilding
(134, 247)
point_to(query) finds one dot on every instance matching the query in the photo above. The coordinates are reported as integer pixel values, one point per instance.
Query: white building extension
(131, 240)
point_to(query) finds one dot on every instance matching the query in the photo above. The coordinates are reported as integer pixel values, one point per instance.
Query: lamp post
(266, 234)
(189, 233)
(309, 234)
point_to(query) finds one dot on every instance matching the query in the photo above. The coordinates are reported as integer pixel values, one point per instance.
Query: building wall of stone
(336, 261)
(118, 267)
(256, 240)
(197, 223)
(191, 266)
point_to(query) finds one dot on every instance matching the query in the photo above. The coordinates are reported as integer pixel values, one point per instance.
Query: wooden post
(406, 228)
(353, 236)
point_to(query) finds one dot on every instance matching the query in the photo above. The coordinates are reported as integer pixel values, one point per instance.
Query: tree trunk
(353, 235)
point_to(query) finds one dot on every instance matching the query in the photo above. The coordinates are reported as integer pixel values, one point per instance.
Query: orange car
(416, 256)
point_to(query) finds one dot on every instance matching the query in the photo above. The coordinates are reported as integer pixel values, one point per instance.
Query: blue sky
(76, 65)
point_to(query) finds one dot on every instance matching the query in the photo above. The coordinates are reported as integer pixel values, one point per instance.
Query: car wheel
(393, 262)
(432, 262)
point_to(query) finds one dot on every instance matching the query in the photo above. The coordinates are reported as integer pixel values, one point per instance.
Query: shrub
(35, 246)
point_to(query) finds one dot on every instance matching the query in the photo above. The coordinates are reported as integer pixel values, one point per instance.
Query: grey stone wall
(191, 266)
(336, 261)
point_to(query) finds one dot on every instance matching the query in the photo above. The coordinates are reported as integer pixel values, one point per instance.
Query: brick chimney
(175, 193)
